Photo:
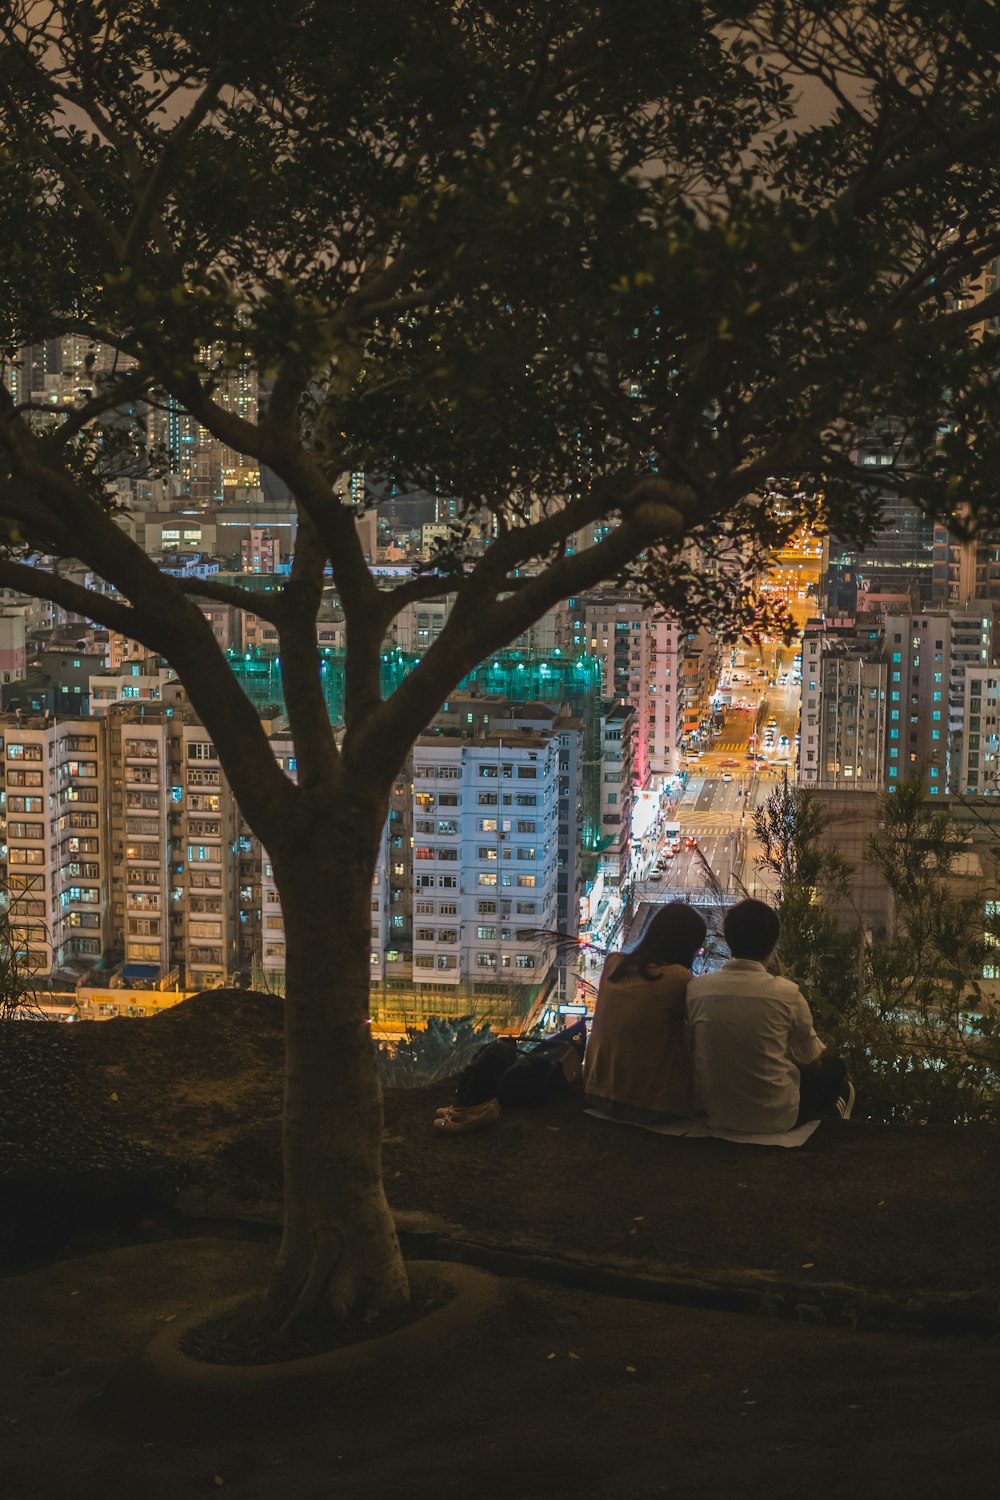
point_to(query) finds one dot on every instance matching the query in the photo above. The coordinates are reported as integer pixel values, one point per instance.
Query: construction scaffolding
(518, 676)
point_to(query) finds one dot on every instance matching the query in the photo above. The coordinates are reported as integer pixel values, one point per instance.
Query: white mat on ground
(698, 1130)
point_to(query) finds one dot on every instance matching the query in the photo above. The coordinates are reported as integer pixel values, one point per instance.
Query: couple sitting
(737, 1046)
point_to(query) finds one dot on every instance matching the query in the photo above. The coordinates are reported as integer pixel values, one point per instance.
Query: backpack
(520, 1077)
(479, 1081)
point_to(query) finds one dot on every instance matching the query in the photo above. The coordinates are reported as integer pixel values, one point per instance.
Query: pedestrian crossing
(698, 823)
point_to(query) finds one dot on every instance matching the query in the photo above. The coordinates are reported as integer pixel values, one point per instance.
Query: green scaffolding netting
(519, 676)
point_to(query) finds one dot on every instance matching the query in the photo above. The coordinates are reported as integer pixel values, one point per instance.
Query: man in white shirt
(759, 1066)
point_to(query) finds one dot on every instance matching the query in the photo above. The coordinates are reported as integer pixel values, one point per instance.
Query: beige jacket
(638, 1055)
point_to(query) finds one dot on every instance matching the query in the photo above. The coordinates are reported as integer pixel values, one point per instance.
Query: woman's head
(673, 936)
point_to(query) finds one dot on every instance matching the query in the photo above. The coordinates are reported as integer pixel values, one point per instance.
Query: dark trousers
(820, 1086)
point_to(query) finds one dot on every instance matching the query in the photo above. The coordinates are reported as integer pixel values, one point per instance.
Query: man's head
(751, 930)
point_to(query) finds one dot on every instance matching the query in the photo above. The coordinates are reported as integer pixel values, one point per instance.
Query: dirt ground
(564, 1395)
(112, 1133)
(189, 1103)
(891, 1208)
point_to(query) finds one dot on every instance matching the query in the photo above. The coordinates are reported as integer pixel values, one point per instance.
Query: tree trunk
(339, 1252)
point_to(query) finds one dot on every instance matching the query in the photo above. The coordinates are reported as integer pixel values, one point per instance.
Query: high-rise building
(844, 693)
(485, 856)
(140, 869)
(885, 697)
(929, 652)
(642, 661)
(55, 840)
(978, 751)
(260, 552)
(206, 865)
(899, 558)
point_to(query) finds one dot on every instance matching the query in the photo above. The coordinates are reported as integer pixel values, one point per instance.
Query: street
(726, 781)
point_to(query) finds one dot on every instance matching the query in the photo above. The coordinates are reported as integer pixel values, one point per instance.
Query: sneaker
(846, 1103)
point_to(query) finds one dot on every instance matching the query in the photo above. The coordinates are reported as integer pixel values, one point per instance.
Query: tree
(928, 1036)
(579, 266)
(21, 913)
(815, 949)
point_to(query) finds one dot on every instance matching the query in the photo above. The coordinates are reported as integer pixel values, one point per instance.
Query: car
(665, 857)
(727, 775)
(654, 878)
(690, 843)
(784, 740)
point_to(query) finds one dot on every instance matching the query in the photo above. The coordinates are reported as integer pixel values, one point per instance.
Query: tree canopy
(576, 266)
(587, 268)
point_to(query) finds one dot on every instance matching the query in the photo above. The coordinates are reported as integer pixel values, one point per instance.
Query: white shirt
(748, 1031)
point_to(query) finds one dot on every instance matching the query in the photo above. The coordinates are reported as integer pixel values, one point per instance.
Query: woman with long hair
(638, 1064)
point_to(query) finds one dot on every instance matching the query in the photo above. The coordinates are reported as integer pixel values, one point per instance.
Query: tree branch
(479, 624)
(267, 606)
(868, 193)
(308, 715)
(103, 609)
(158, 181)
(414, 591)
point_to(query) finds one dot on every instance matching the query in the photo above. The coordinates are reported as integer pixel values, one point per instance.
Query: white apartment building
(617, 795)
(136, 681)
(485, 857)
(257, 634)
(417, 626)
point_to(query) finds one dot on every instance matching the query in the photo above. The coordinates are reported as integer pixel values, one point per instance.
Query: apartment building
(136, 680)
(257, 634)
(642, 661)
(930, 651)
(485, 856)
(206, 866)
(701, 658)
(978, 750)
(140, 875)
(123, 844)
(617, 796)
(844, 705)
(55, 844)
(260, 552)
(886, 696)
(13, 655)
(471, 712)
